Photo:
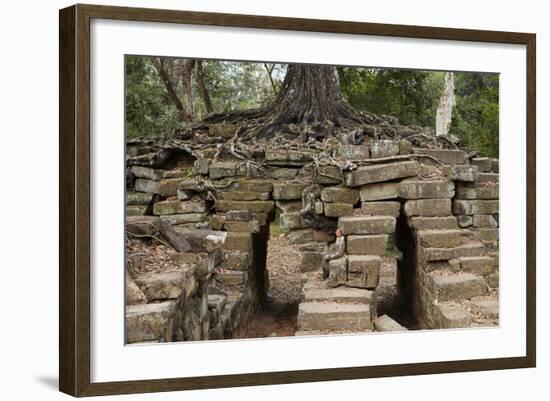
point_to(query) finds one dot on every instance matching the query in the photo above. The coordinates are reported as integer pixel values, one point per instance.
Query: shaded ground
(278, 316)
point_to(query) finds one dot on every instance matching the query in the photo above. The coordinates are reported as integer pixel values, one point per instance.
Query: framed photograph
(249, 200)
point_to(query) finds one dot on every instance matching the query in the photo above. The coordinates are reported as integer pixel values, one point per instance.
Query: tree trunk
(447, 101)
(162, 69)
(203, 91)
(187, 89)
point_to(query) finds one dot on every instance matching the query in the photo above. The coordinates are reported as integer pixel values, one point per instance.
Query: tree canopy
(154, 87)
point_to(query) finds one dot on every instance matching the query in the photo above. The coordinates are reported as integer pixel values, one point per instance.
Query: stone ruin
(431, 210)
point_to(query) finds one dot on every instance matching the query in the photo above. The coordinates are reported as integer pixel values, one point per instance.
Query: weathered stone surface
(484, 164)
(144, 185)
(244, 196)
(493, 280)
(386, 323)
(327, 174)
(486, 234)
(340, 195)
(338, 271)
(282, 173)
(238, 241)
(289, 206)
(367, 244)
(147, 173)
(354, 152)
(363, 271)
(287, 157)
(380, 191)
(445, 156)
(334, 316)
(464, 220)
(216, 303)
(179, 207)
(201, 166)
(428, 207)
(142, 225)
(313, 247)
(251, 206)
(146, 322)
(223, 169)
(487, 177)
(487, 306)
(183, 258)
(452, 265)
(238, 215)
(465, 173)
(433, 223)
(223, 130)
(450, 315)
(405, 147)
(480, 265)
(137, 210)
(477, 190)
(242, 226)
(384, 148)
(457, 287)
(293, 220)
(440, 238)
(169, 186)
(311, 261)
(237, 260)
(495, 166)
(484, 220)
(166, 285)
(387, 208)
(416, 189)
(184, 218)
(246, 185)
(139, 198)
(179, 172)
(367, 225)
(381, 172)
(338, 209)
(319, 207)
(475, 207)
(216, 221)
(470, 249)
(301, 236)
(340, 295)
(134, 295)
(288, 190)
(232, 279)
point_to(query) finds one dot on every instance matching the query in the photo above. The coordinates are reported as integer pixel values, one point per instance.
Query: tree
(445, 109)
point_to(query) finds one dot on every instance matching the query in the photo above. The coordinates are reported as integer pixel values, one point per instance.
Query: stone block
(145, 185)
(287, 157)
(487, 177)
(178, 207)
(232, 279)
(405, 147)
(201, 166)
(139, 198)
(353, 152)
(179, 172)
(367, 224)
(142, 225)
(343, 295)
(311, 261)
(451, 315)
(387, 208)
(384, 148)
(367, 244)
(493, 280)
(340, 195)
(289, 206)
(250, 185)
(465, 173)
(334, 316)
(244, 196)
(327, 175)
(386, 323)
(148, 173)
(464, 220)
(433, 223)
(477, 190)
(238, 241)
(445, 156)
(495, 166)
(288, 190)
(251, 206)
(470, 249)
(293, 221)
(146, 322)
(166, 285)
(484, 220)
(440, 238)
(471, 207)
(381, 172)
(133, 294)
(338, 209)
(380, 191)
(188, 258)
(338, 271)
(137, 210)
(480, 265)
(238, 215)
(486, 234)
(363, 271)
(484, 164)
(169, 186)
(416, 189)
(487, 306)
(457, 287)
(242, 226)
(428, 207)
(283, 173)
(301, 236)
(184, 218)
(319, 207)
(222, 169)
(237, 260)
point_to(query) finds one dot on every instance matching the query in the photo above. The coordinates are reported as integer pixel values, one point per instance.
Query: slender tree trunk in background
(187, 89)
(203, 91)
(447, 101)
(162, 69)
(270, 75)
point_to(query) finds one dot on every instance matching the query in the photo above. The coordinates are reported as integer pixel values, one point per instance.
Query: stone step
(456, 287)
(334, 316)
(386, 323)
(341, 295)
(451, 315)
(440, 238)
(473, 248)
(486, 306)
(146, 322)
(433, 223)
(367, 224)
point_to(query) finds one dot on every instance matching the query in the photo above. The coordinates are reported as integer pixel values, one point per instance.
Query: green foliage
(476, 117)
(148, 109)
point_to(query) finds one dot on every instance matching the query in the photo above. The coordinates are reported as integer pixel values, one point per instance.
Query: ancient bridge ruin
(431, 211)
